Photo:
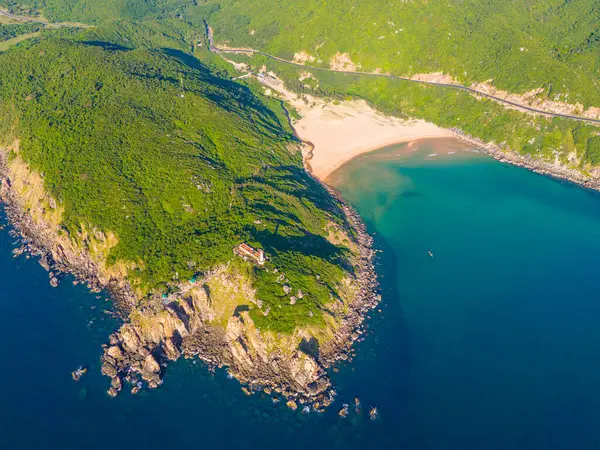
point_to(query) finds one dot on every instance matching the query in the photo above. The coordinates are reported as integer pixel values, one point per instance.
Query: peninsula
(185, 176)
(185, 196)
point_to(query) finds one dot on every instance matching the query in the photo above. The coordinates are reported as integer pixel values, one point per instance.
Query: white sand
(343, 130)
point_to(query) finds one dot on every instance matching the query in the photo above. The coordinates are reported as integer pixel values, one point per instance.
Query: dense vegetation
(484, 119)
(521, 45)
(136, 136)
(9, 31)
(179, 163)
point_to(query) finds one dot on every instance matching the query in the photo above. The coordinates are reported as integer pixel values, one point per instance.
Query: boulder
(109, 370)
(116, 383)
(115, 352)
(151, 365)
(292, 405)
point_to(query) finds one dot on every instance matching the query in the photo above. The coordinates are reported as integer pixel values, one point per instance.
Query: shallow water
(492, 343)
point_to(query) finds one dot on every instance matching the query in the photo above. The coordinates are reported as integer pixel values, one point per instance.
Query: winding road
(213, 48)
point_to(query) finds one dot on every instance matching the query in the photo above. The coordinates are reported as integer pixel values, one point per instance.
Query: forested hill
(519, 44)
(179, 164)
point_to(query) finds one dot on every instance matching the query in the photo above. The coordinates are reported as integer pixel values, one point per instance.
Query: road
(213, 48)
(21, 19)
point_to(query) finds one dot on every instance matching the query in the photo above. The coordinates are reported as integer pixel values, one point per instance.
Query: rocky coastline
(182, 329)
(156, 332)
(38, 240)
(552, 169)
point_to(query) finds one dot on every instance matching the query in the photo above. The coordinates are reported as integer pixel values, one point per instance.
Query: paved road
(215, 49)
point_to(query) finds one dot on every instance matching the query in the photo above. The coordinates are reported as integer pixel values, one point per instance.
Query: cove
(491, 343)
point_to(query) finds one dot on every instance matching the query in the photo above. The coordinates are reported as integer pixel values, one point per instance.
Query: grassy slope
(174, 160)
(474, 40)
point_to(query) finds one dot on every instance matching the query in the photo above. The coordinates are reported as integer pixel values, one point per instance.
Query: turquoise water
(493, 343)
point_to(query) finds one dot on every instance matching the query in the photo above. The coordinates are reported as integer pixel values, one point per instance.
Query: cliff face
(206, 317)
(37, 217)
(158, 333)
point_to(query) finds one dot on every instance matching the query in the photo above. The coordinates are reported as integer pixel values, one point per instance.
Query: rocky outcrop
(36, 218)
(141, 349)
(189, 324)
(554, 169)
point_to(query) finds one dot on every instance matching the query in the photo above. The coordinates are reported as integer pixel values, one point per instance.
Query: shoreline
(321, 162)
(342, 126)
(338, 133)
(553, 170)
(133, 355)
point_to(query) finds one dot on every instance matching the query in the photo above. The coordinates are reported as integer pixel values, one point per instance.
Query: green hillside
(179, 164)
(519, 44)
(137, 133)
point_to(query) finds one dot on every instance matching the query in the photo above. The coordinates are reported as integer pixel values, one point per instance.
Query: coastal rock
(112, 392)
(292, 405)
(151, 365)
(54, 282)
(304, 369)
(130, 339)
(115, 352)
(109, 370)
(171, 350)
(44, 262)
(116, 383)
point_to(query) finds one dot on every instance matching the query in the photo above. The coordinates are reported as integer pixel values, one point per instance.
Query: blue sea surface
(491, 343)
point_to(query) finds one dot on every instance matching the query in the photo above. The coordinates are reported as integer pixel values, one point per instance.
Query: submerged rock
(292, 405)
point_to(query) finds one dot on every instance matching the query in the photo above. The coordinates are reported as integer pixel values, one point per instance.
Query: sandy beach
(343, 131)
(340, 131)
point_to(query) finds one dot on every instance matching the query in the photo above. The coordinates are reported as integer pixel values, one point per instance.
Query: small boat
(373, 414)
(357, 405)
(79, 373)
(430, 253)
(344, 411)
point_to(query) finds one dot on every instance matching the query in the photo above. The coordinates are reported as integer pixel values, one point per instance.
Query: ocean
(487, 336)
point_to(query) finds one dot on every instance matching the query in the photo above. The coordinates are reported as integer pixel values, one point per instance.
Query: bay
(492, 342)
